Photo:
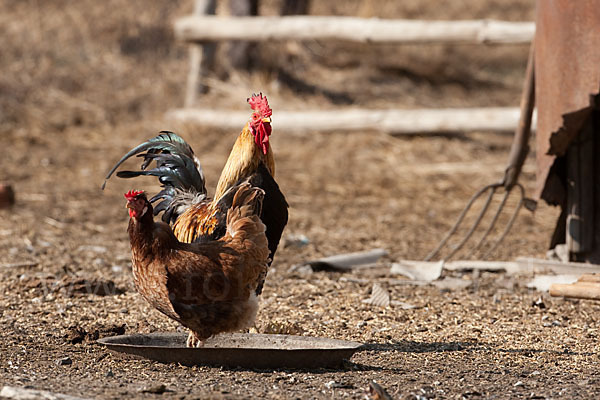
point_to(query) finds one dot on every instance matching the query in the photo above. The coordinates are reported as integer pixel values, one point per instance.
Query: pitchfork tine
(476, 223)
(512, 220)
(462, 215)
(492, 224)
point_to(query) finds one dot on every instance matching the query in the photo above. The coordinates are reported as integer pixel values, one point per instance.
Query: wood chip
(94, 249)
(55, 223)
(22, 264)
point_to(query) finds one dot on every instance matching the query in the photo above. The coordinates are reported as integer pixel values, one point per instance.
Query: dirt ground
(83, 82)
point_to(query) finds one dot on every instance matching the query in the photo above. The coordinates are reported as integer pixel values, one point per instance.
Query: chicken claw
(194, 341)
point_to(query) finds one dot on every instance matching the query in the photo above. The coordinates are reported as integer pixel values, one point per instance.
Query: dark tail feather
(158, 147)
(177, 169)
(172, 170)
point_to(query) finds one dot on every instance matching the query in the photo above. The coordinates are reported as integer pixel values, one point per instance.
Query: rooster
(207, 287)
(183, 198)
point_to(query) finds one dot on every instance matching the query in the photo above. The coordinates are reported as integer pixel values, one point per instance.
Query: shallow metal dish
(248, 350)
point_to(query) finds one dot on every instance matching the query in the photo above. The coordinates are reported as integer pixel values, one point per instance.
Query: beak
(129, 205)
(268, 119)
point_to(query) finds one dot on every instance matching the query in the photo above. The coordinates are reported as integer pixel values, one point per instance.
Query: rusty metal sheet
(567, 75)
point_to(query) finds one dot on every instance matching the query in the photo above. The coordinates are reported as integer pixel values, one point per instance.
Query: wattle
(261, 136)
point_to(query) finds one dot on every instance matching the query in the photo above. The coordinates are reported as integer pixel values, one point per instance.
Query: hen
(183, 199)
(207, 287)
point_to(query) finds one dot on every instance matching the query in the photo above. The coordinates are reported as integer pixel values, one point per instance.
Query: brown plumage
(183, 199)
(207, 287)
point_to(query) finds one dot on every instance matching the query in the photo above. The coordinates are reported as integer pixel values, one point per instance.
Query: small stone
(519, 383)
(75, 335)
(338, 385)
(109, 373)
(154, 389)
(92, 249)
(99, 262)
(64, 361)
(7, 196)
(301, 270)
(539, 303)
(297, 241)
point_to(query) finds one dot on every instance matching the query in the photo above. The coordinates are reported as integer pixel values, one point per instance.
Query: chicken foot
(194, 341)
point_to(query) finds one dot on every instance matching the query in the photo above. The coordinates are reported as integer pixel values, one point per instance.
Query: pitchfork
(516, 159)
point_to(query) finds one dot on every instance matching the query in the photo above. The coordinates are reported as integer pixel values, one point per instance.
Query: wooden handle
(581, 290)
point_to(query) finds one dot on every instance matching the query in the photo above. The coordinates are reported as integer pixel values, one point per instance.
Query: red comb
(259, 103)
(132, 194)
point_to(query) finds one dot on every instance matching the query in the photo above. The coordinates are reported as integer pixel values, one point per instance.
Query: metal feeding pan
(248, 350)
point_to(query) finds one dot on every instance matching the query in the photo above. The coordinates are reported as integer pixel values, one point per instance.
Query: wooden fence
(353, 119)
(370, 30)
(199, 29)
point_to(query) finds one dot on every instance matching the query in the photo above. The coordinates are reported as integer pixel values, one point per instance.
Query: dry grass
(66, 66)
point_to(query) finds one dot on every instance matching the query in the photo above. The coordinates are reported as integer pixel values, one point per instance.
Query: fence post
(201, 56)
(240, 51)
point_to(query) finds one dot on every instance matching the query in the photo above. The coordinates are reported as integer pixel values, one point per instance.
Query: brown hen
(207, 287)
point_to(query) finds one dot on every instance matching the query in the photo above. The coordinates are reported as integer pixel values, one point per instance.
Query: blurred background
(82, 82)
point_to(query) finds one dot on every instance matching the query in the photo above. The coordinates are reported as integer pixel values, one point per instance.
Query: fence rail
(198, 28)
(354, 119)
